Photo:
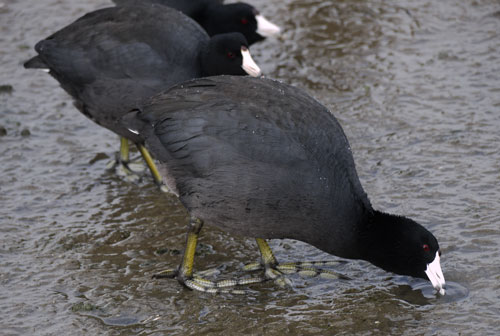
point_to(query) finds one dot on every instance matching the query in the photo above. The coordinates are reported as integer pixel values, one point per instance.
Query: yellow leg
(266, 253)
(185, 271)
(270, 264)
(124, 150)
(151, 164)
(274, 270)
(121, 164)
(184, 274)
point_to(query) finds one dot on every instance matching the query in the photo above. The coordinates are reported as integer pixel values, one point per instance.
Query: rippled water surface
(416, 86)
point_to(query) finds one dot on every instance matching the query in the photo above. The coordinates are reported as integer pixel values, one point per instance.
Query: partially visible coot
(259, 158)
(111, 59)
(218, 18)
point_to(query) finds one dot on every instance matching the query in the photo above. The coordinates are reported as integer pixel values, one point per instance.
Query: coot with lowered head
(218, 18)
(111, 59)
(259, 158)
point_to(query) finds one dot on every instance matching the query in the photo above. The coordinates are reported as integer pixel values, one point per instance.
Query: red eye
(244, 21)
(230, 54)
(426, 248)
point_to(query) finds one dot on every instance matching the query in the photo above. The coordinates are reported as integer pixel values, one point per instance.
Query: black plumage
(216, 17)
(111, 59)
(262, 159)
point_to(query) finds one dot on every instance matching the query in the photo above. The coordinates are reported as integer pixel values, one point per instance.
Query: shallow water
(416, 86)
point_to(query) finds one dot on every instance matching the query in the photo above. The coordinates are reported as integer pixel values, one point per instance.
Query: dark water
(416, 86)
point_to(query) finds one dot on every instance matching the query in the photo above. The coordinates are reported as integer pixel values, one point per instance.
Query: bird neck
(342, 232)
(204, 59)
(207, 14)
(379, 238)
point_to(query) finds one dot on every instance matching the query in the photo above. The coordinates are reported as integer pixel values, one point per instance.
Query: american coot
(218, 18)
(259, 158)
(111, 59)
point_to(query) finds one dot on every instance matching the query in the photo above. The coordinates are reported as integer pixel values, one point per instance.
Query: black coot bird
(111, 59)
(218, 18)
(259, 158)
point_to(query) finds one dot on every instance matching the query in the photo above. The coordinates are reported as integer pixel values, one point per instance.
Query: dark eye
(244, 21)
(230, 54)
(426, 248)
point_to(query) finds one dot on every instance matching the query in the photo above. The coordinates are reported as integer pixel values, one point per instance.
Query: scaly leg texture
(272, 269)
(123, 164)
(152, 167)
(275, 271)
(184, 274)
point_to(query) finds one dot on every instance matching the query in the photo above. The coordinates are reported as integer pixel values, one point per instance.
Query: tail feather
(35, 63)
(134, 122)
